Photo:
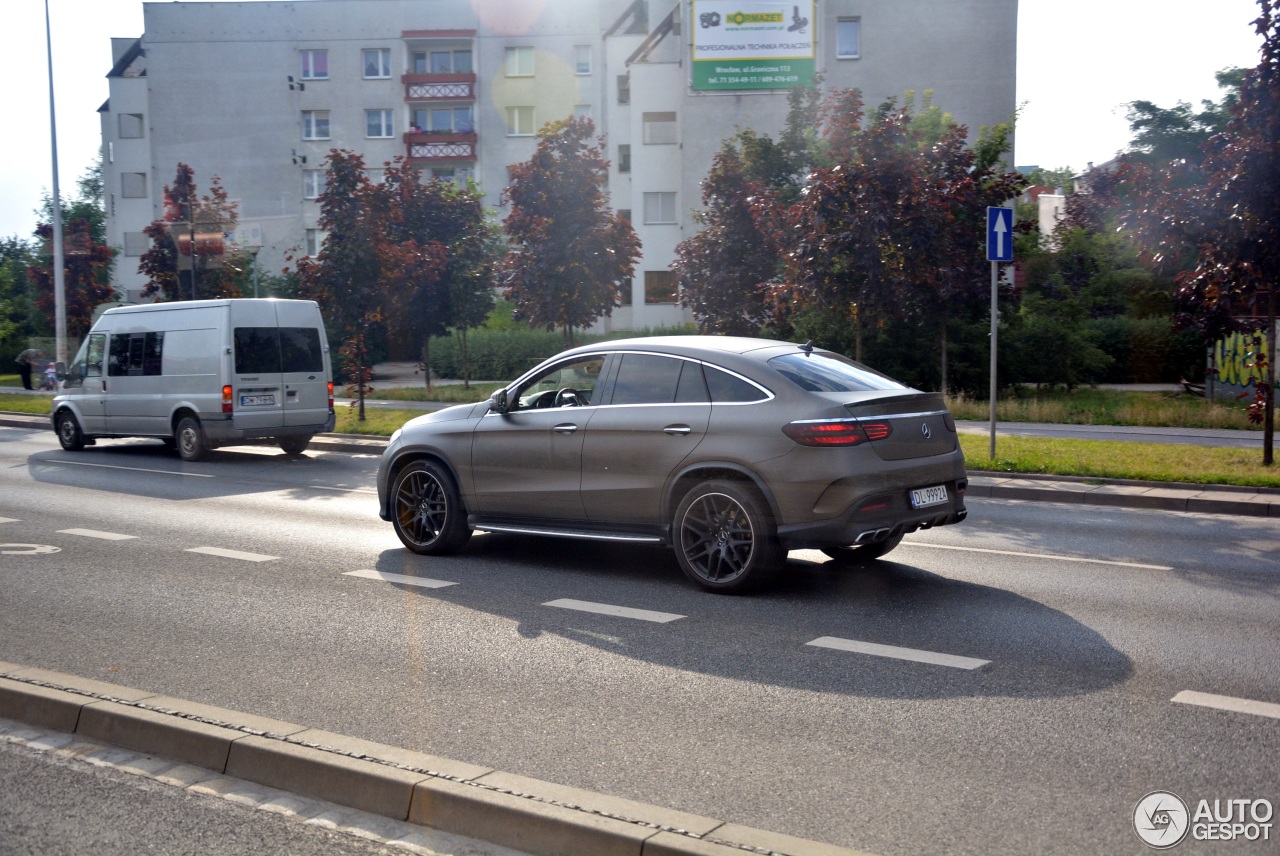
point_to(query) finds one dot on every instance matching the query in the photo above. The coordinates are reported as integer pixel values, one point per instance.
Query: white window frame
(383, 62)
(313, 241)
(582, 60)
(843, 27)
(515, 126)
(313, 183)
(660, 208)
(307, 58)
(311, 121)
(519, 61)
(386, 124)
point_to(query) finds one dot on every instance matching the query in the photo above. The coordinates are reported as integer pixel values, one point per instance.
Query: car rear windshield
(819, 372)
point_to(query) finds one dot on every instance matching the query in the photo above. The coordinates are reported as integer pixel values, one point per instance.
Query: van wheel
(69, 433)
(190, 440)
(295, 445)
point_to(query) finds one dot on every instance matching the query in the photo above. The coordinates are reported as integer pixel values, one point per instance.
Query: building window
(315, 65)
(659, 208)
(659, 286)
(443, 120)
(624, 158)
(133, 185)
(848, 38)
(314, 241)
(660, 129)
(377, 63)
(519, 62)
(582, 59)
(378, 124)
(519, 121)
(136, 243)
(312, 183)
(131, 127)
(442, 62)
(624, 89)
(315, 124)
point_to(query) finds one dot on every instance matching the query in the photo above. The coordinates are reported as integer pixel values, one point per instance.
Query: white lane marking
(421, 582)
(1231, 703)
(130, 469)
(616, 611)
(9, 520)
(28, 549)
(94, 533)
(232, 554)
(897, 653)
(1049, 556)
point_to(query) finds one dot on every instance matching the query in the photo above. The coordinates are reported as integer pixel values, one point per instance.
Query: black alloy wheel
(427, 510)
(724, 539)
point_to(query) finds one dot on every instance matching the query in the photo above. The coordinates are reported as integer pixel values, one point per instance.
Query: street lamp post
(59, 275)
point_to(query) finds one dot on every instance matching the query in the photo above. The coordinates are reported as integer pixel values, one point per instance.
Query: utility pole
(59, 273)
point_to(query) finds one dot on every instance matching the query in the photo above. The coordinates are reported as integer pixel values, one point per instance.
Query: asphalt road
(1090, 622)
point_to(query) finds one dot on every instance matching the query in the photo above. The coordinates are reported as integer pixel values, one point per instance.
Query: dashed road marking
(9, 520)
(896, 653)
(420, 582)
(232, 554)
(617, 611)
(94, 533)
(28, 549)
(1231, 703)
(1048, 556)
(130, 469)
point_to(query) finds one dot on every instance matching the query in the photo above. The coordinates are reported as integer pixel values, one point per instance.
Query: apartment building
(257, 93)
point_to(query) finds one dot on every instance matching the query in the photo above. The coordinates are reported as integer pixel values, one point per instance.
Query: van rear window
(271, 350)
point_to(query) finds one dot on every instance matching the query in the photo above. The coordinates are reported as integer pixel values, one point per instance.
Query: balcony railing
(438, 148)
(439, 87)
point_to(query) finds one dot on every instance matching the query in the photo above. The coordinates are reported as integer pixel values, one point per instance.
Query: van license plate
(257, 400)
(926, 496)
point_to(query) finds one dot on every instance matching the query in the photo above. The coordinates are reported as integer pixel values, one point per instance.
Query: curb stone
(1109, 493)
(526, 814)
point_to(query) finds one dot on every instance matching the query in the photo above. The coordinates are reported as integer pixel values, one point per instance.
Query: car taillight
(226, 399)
(836, 432)
(330, 395)
(949, 421)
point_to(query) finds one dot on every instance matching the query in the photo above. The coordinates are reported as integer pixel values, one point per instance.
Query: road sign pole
(995, 315)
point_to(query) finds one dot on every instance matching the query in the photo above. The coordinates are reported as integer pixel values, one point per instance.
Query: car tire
(427, 510)
(69, 433)
(859, 553)
(190, 440)
(724, 538)
(295, 445)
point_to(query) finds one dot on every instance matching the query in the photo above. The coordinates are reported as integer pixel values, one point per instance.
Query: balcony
(441, 148)
(439, 87)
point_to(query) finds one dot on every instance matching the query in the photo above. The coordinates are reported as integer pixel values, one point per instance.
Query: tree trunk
(426, 362)
(944, 353)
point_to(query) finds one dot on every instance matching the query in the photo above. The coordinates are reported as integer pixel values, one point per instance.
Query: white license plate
(926, 496)
(257, 400)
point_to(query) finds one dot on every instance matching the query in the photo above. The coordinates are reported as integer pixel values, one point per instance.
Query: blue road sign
(999, 234)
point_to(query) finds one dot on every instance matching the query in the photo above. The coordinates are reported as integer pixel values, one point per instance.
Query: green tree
(570, 254)
(1164, 134)
(189, 258)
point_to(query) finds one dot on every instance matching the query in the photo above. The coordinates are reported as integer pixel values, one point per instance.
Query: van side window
(135, 354)
(257, 350)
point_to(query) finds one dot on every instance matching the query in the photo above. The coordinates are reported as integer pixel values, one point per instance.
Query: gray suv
(732, 451)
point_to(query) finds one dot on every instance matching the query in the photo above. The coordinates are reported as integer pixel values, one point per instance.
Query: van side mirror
(498, 402)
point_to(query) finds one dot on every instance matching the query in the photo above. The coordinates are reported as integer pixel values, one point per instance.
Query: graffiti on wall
(1234, 358)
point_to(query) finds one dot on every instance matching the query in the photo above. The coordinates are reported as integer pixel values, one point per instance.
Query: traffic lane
(561, 704)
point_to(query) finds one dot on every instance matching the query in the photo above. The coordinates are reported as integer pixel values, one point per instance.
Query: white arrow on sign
(1000, 229)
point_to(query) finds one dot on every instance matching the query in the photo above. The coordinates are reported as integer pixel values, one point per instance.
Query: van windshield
(272, 350)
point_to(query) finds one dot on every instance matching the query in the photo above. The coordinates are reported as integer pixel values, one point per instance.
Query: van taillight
(836, 432)
(330, 395)
(226, 399)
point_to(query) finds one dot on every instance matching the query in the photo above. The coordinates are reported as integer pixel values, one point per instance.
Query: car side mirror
(498, 402)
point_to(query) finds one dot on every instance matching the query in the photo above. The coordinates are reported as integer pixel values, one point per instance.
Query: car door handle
(565, 428)
(677, 430)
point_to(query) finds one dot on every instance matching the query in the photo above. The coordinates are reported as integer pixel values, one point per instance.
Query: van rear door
(304, 365)
(257, 386)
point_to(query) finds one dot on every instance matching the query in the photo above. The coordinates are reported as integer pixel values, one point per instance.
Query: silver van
(200, 374)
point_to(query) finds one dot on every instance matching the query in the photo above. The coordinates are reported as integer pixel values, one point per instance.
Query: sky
(1079, 63)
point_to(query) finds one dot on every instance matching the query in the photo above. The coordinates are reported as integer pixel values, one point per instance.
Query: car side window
(730, 389)
(651, 379)
(574, 383)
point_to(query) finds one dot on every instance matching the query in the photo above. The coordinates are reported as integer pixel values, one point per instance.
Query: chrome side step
(568, 533)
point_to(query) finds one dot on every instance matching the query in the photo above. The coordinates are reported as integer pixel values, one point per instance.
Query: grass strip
(1087, 406)
(1120, 460)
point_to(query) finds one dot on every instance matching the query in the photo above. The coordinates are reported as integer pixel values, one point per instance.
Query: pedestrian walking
(27, 361)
